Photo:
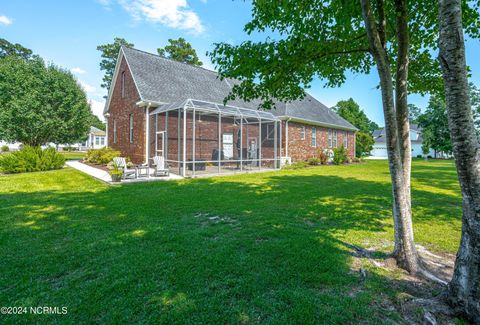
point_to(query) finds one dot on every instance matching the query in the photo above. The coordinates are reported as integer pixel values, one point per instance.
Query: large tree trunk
(402, 116)
(405, 252)
(463, 291)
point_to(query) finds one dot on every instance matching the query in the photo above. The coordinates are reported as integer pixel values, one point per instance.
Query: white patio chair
(160, 168)
(121, 162)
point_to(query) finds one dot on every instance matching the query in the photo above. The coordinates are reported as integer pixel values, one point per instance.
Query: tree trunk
(402, 116)
(463, 290)
(405, 252)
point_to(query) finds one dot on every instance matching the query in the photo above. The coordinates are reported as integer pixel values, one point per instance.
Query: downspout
(147, 132)
(286, 136)
(107, 115)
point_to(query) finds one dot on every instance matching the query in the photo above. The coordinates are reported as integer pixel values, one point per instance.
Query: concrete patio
(105, 176)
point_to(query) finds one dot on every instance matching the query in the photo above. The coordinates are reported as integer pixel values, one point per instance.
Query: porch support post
(147, 133)
(165, 138)
(259, 144)
(275, 145)
(178, 142)
(193, 143)
(281, 140)
(184, 169)
(219, 140)
(241, 143)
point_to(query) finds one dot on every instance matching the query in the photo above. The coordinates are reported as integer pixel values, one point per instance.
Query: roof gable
(163, 80)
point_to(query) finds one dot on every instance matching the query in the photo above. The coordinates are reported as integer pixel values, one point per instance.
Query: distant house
(161, 107)
(96, 139)
(380, 148)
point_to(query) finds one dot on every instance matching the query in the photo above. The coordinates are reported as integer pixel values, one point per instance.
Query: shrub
(69, 148)
(5, 148)
(101, 156)
(314, 161)
(323, 157)
(31, 159)
(339, 155)
(297, 165)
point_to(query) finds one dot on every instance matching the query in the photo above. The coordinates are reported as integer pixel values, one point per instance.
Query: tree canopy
(350, 110)
(325, 39)
(40, 103)
(109, 59)
(15, 50)
(180, 50)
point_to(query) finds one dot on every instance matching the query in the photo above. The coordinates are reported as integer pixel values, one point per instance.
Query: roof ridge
(171, 60)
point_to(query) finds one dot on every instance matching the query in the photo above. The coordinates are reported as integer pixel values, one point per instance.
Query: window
(114, 131)
(302, 133)
(97, 141)
(102, 141)
(345, 139)
(330, 138)
(270, 131)
(314, 136)
(123, 84)
(335, 138)
(131, 128)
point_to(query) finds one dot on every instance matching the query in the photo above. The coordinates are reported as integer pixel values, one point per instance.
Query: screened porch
(199, 138)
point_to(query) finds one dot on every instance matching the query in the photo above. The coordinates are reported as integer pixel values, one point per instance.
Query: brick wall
(120, 110)
(122, 107)
(299, 149)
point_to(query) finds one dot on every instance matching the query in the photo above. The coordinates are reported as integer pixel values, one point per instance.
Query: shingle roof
(163, 80)
(97, 131)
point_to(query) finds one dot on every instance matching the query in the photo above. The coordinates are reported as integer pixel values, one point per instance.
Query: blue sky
(67, 33)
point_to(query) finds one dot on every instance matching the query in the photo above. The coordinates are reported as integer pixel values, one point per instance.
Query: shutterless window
(270, 131)
(97, 141)
(131, 128)
(345, 139)
(114, 131)
(314, 136)
(335, 138)
(123, 84)
(330, 138)
(302, 133)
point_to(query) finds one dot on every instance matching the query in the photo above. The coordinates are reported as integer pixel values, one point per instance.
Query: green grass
(73, 155)
(269, 248)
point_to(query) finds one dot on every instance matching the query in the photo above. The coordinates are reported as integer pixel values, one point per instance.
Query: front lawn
(271, 248)
(73, 155)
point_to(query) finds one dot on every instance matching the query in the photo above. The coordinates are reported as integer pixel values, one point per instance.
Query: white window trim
(345, 139)
(114, 131)
(131, 128)
(335, 138)
(123, 84)
(330, 138)
(314, 137)
(302, 132)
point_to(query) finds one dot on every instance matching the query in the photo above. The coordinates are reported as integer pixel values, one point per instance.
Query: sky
(68, 32)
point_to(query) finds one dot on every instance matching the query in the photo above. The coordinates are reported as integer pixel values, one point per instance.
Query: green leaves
(40, 104)
(109, 59)
(306, 39)
(180, 50)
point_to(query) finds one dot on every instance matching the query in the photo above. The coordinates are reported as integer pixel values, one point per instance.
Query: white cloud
(77, 70)
(88, 88)
(4, 20)
(97, 107)
(172, 13)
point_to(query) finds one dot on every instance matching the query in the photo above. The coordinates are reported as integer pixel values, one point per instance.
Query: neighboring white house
(380, 148)
(11, 145)
(96, 139)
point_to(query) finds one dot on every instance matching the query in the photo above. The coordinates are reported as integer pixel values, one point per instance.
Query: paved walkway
(105, 176)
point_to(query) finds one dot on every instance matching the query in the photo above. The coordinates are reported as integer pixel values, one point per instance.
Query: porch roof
(224, 110)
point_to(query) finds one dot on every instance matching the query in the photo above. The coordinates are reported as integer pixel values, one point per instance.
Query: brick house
(158, 106)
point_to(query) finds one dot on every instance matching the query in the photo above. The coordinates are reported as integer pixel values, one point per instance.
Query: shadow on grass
(208, 250)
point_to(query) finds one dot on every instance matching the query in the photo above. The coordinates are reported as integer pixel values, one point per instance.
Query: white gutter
(327, 125)
(143, 103)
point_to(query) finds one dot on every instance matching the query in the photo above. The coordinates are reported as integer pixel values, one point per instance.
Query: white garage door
(379, 151)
